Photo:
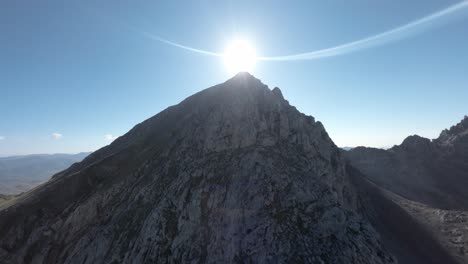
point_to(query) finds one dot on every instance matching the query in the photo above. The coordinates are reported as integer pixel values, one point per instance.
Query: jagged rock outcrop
(233, 174)
(456, 135)
(430, 172)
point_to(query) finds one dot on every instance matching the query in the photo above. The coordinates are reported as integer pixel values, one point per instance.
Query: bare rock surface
(233, 174)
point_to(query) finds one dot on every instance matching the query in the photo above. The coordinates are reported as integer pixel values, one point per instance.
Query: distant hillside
(22, 173)
(430, 172)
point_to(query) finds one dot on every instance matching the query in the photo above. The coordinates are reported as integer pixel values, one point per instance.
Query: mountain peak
(231, 174)
(277, 92)
(244, 82)
(244, 79)
(243, 75)
(415, 143)
(415, 140)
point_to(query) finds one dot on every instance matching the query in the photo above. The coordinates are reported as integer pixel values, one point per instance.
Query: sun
(239, 57)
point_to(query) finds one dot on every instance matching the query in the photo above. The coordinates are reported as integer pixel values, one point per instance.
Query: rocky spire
(448, 136)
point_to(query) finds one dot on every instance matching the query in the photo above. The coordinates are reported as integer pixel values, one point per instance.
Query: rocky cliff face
(231, 174)
(431, 172)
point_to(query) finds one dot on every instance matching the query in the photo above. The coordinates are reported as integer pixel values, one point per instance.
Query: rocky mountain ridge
(432, 172)
(232, 174)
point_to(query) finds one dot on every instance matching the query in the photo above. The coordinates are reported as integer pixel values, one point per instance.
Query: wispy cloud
(110, 137)
(2, 138)
(56, 136)
(397, 33)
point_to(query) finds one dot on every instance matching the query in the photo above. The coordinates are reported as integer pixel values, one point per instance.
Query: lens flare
(240, 57)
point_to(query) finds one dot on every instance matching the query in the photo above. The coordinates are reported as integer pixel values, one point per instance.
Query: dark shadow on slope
(400, 233)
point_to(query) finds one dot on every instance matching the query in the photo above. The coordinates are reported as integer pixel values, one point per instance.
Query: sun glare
(239, 57)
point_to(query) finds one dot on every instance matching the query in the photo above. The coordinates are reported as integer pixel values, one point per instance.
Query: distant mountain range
(423, 181)
(347, 148)
(431, 172)
(22, 173)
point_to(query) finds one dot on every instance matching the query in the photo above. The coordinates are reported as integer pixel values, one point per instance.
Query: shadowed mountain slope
(404, 234)
(419, 187)
(430, 172)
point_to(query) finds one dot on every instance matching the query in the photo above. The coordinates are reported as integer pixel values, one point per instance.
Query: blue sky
(81, 70)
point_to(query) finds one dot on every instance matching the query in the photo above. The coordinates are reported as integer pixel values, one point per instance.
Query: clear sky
(75, 74)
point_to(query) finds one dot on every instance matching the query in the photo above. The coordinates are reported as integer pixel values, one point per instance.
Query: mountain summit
(233, 173)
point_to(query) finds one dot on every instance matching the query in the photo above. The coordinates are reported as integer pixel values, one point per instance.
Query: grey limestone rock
(232, 174)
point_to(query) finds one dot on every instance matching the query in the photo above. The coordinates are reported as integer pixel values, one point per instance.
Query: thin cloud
(110, 137)
(2, 138)
(407, 30)
(56, 136)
